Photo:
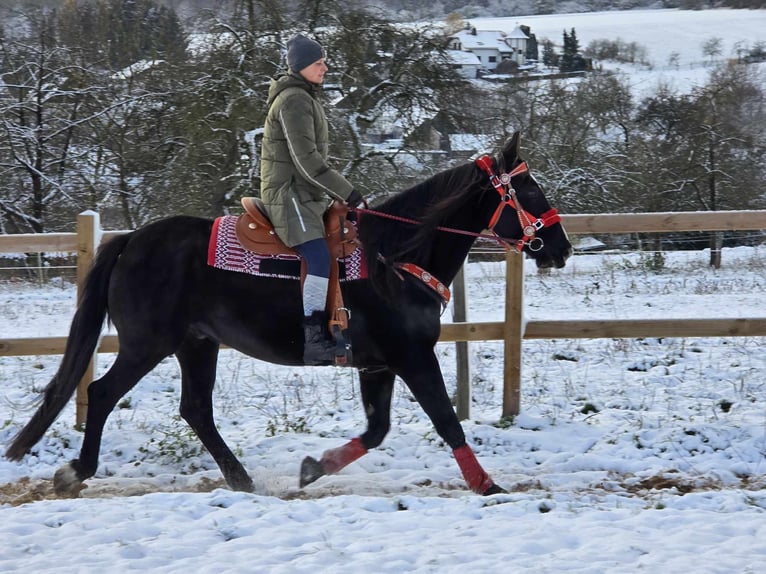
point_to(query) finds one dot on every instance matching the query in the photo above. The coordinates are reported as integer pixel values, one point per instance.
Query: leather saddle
(256, 233)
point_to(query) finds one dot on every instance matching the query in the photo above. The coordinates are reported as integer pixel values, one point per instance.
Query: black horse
(163, 298)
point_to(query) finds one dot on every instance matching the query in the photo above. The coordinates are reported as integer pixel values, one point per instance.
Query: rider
(296, 182)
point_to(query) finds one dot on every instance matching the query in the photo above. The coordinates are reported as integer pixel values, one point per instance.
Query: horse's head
(523, 217)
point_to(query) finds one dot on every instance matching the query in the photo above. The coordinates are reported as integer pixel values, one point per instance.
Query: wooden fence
(511, 331)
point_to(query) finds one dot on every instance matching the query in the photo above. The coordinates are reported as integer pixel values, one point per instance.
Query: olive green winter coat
(296, 182)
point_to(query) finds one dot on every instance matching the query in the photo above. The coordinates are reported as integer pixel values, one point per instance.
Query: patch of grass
(505, 422)
(177, 443)
(283, 423)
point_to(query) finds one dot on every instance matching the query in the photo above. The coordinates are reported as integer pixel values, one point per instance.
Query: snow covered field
(628, 455)
(661, 32)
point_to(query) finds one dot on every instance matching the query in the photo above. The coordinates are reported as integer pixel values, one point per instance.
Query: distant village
(488, 55)
(478, 53)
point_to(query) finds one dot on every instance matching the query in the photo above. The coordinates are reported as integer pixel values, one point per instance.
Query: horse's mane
(430, 203)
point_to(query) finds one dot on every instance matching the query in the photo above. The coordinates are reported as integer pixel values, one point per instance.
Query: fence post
(463, 399)
(88, 239)
(514, 331)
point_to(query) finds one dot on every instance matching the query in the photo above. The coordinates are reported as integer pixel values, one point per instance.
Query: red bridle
(530, 224)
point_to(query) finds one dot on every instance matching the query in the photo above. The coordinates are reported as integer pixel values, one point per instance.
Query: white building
(467, 63)
(517, 40)
(491, 46)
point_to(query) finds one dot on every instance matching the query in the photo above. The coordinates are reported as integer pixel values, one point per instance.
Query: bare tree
(711, 48)
(390, 79)
(77, 133)
(731, 112)
(707, 148)
(40, 111)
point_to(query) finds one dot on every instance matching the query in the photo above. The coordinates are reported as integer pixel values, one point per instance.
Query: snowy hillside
(673, 38)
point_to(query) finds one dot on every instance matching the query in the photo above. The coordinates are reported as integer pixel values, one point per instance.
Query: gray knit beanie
(302, 52)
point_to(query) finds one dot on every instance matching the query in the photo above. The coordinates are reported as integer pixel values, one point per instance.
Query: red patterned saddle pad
(226, 252)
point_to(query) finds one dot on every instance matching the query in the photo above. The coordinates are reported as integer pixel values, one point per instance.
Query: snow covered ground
(629, 455)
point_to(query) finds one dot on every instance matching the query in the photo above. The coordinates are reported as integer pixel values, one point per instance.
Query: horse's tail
(84, 335)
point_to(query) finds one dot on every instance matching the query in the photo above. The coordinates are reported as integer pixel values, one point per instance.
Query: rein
(493, 237)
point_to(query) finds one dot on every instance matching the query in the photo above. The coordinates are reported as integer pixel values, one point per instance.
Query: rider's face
(315, 72)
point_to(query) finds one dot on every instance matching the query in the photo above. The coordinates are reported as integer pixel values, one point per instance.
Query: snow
(629, 454)
(470, 142)
(137, 68)
(664, 33)
(462, 58)
(661, 32)
(483, 39)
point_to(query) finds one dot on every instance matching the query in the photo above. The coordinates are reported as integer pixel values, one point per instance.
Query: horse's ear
(511, 147)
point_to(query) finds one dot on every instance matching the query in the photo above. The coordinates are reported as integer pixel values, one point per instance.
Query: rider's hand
(354, 199)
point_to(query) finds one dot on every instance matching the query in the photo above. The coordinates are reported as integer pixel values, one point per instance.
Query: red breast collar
(439, 288)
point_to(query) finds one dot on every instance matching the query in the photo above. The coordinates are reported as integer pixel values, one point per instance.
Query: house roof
(463, 58)
(518, 33)
(483, 40)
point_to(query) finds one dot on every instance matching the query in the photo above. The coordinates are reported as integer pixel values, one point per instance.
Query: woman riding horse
(296, 182)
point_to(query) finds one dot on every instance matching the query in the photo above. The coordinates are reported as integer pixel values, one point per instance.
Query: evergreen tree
(550, 57)
(567, 56)
(571, 59)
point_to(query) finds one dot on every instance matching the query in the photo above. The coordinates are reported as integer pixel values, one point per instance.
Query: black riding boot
(318, 348)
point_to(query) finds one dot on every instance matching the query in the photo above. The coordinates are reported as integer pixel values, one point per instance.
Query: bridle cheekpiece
(530, 224)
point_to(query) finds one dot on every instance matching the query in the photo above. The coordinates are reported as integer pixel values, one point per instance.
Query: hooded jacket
(296, 182)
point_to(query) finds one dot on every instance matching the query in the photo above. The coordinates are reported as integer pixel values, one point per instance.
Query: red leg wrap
(336, 458)
(475, 476)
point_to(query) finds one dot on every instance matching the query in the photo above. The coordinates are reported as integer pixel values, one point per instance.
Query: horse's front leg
(423, 376)
(377, 389)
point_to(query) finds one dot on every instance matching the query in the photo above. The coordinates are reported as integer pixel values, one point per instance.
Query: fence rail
(511, 331)
(609, 329)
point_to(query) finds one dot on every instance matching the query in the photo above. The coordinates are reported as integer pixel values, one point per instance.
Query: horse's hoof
(66, 483)
(311, 470)
(244, 485)
(494, 489)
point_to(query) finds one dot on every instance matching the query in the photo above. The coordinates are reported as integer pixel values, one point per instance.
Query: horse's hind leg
(377, 388)
(103, 395)
(198, 358)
